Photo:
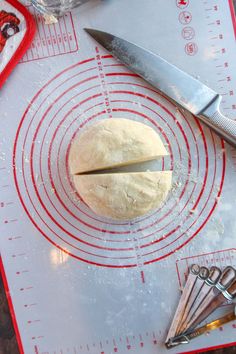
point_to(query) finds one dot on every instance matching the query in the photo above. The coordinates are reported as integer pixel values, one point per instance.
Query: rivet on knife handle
(222, 125)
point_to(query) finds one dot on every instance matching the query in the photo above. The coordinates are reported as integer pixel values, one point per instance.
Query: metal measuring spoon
(202, 276)
(211, 281)
(193, 273)
(224, 290)
(185, 338)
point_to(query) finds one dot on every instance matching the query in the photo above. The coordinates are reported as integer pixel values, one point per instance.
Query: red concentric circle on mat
(71, 101)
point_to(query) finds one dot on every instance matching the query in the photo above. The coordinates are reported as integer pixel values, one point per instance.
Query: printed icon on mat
(182, 4)
(185, 17)
(191, 48)
(9, 26)
(188, 33)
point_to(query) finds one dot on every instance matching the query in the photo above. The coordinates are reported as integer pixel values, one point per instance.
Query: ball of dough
(114, 142)
(124, 195)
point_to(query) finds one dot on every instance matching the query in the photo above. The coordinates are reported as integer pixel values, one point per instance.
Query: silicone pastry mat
(79, 283)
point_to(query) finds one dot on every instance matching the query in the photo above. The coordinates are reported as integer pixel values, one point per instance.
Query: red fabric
(25, 42)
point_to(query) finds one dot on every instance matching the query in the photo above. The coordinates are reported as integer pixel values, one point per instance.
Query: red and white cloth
(17, 30)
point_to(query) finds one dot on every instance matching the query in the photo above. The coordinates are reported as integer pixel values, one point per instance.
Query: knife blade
(185, 90)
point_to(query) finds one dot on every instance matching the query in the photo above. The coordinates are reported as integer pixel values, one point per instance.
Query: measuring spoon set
(205, 290)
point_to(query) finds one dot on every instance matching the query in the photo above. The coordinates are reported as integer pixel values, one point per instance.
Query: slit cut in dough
(124, 196)
(114, 142)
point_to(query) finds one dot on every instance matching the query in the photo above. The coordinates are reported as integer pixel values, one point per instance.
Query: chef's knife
(185, 90)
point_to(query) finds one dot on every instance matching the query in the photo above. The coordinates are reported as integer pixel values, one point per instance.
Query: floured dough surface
(124, 195)
(114, 142)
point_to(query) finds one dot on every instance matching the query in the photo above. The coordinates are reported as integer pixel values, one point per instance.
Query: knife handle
(222, 125)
